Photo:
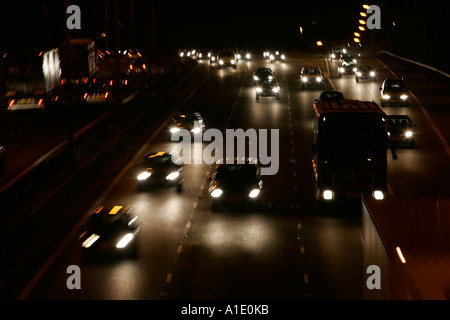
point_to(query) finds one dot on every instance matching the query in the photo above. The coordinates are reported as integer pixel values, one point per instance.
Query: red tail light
(11, 103)
(40, 101)
(85, 96)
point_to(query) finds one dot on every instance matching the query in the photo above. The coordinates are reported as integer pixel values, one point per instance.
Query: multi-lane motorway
(284, 251)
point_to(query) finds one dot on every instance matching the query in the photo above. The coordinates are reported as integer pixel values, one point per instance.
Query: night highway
(63, 164)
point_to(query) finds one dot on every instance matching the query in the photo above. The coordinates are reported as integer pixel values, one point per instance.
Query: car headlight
(404, 97)
(90, 240)
(143, 176)
(213, 58)
(408, 134)
(124, 241)
(372, 74)
(238, 56)
(248, 56)
(173, 176)
(174, 130)
(328, 194)
(319, 79)
(233, 62)
(254, 193)
(333, 56)
(272, 57)
(341, 70)
(283, 57)
(386, 96)
(276, 89)
(258, 90)
(378, 195)
(304, 79)
(196, 130)
(359, 74)
(255, 78)
(355, 69)
(220, 61)
(216, 193)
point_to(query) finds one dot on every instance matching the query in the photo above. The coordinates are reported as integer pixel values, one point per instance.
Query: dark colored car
(159, 169)
(236, 184)
(365, 73)
(110, 230)
(311, 77)
(191, 121)
(394, 91)
(261, 74)
(401, 131)
(347, 67)
(268, 88)
(331, 96)
(97, 93)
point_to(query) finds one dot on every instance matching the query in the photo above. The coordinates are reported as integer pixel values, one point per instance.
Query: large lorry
(349, 151)
(35, 79)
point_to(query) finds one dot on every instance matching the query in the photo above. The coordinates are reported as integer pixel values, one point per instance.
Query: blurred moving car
(159, 169)
(365, 73)
(276, 55)
(191, 121)
(401, 131)
(394, 91)
(236, 184)
(110, 230)
(311, 77)
(261, 74)
(226, 59)
(347, 67)
(268, 88)
(336, 53)
(245, 55)
(97, 93)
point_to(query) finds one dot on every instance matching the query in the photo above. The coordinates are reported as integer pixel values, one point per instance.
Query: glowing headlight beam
(124, 241)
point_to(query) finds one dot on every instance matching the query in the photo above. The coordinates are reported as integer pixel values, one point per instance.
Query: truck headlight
(378, 195)
(408, 134)
(143, 175)
(173, 176)
(328, 194)
(404, 97)
(254, 193)
(216, 193)
(124, 241)
(305, 79)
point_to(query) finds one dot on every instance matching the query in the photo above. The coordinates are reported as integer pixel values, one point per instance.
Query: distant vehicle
(349, 151)
(245, 55)
(2, 159)
(276, 55)
(261, 74)
(226, 59)
(347, 67)
(330, 96)
(236, 184)
(401, 131)
(187, 53)
(365, 73)
(159, 169)
(98, 93)
(336, 53)
(394, 91)
(311, 77)
(110, 230)
(191, 121)
(268, 88)
(348, 56)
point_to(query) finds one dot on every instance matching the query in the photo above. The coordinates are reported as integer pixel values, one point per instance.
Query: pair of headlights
(145, 175)
(221, 62)
(217, 193)
(175, 130)
(122, 243)
(328, 194)
(388, 97)
(359, 74)
(305, 79)
(275, 90)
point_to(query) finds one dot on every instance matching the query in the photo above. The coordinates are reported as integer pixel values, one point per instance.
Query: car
(110, 230)
(276, 55)
(2, 159)
(158, 169)
(226, 59)
(394, 91)
(347, 67)
(336, 53)
(365, 73)
(236, 184)
(97, 93)
(191, 121)
(260, 74)
(348, 56)
(311, 77)
(401, 131)
(268, 87)
(245, 55)
(331, 96)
